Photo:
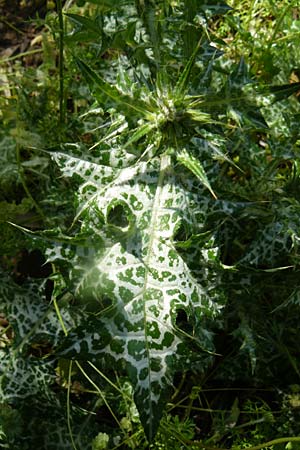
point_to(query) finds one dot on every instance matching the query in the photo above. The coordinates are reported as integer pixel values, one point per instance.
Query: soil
(17, 29)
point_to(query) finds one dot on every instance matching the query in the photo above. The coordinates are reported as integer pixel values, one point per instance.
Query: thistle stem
(61, 62)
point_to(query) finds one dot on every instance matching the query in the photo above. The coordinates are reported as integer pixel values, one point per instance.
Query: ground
(16, 28)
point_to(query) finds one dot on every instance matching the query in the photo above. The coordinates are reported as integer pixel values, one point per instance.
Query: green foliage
(168, 208)
(133, 262)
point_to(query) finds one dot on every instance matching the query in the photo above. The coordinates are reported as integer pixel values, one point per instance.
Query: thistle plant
(130, 210)
(138, 249)
(142, 187)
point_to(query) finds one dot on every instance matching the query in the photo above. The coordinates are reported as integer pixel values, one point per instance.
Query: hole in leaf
(95, 305)
(118, 216)
(182, 237)
(182, 321)
(106, 302)
(32, 264)
(182, 233)
(40, 349)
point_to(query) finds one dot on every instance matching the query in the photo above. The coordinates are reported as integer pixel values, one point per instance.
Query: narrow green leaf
(194, 165)
(139, 133)
(109, 90)
(275, 269)
(280, 92)
(84, 22)
(181, 84)
(223, 157)
(198, 115)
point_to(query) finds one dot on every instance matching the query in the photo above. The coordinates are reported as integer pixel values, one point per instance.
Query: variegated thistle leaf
(21, 378)
(32, 319)
(136, 212)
